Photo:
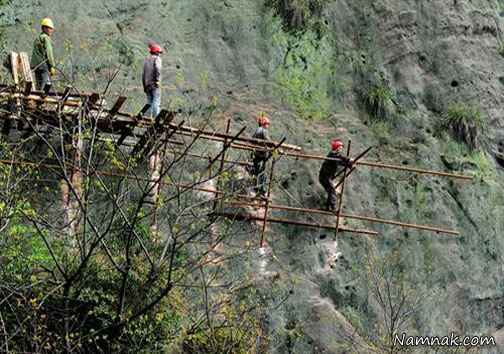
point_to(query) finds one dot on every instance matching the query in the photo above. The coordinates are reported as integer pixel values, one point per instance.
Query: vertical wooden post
(266, 207)
(342, 191)
(77, 147)
(221, 167)
(72, 192)
(155, 166)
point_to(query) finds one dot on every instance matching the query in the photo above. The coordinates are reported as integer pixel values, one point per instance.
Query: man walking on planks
(260, 157)
(329, 170)
(151, 78)
(42, 60)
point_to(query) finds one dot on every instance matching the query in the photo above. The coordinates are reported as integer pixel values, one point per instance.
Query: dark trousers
(42, 78)
(332, 193)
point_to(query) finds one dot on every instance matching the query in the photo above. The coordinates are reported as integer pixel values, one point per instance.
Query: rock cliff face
(315, 80)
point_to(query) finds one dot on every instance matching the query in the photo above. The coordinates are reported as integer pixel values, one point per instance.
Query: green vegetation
(305, 75)
(501, 49)
(377, 100)
(461, 157)
(113, 281)
(484, 168)
(374, 93)
(466, 124)
(299, 14)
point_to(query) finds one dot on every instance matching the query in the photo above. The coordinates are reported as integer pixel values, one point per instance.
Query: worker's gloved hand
(156, 84)
(52, 71)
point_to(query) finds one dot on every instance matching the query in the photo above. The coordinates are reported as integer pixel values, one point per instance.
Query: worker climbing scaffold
(330, 168)
(261, 156)
(31, 109)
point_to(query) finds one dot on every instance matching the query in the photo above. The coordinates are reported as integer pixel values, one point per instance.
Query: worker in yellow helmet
(42, 60)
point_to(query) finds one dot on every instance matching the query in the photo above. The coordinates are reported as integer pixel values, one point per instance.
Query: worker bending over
(42, 60)
(261, 156)
(329, 170)
(151, 78)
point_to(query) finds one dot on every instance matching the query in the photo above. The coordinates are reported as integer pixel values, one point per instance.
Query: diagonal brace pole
(338, 213)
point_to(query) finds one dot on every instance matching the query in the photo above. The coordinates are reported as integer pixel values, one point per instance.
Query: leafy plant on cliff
(466, 124)
(303, 78)
(377, 100)
(374, 94)
(372, 88)
(501, 49)
(298, 14)
(484, 169)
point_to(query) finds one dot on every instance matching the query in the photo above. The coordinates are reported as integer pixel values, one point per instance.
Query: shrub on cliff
(466, 124)
(296, 14)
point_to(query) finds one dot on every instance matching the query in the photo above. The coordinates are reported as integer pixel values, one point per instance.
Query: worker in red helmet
(330, 168)
(261, 156)
(151, 78)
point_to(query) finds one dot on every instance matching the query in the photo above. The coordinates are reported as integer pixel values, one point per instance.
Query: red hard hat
(336, 144)
(155, 48)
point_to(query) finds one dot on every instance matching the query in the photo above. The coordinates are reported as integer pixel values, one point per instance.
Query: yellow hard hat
(47, 22)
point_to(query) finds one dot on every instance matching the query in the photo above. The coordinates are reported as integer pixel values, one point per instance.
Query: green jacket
(42, 52)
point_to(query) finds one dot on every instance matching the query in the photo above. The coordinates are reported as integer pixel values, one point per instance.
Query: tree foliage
(93, 259)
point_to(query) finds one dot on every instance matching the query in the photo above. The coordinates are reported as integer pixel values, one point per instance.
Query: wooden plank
(15, 67)
(25, 68)
(117, 106)
(129, 130)
(144, 110)
(146, 142)
(93, 99)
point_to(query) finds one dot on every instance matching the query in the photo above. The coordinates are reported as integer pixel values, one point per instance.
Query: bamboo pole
(351, 216)
(236, 145)
(227, 145)
(381, 165)
(244, 196)
(294, 222)
(130, 177)
(340, 204)
(412, 169)
(221, 166)
(266, 207)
